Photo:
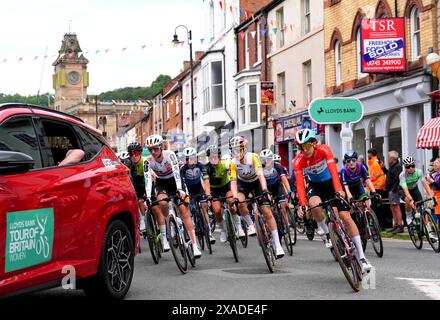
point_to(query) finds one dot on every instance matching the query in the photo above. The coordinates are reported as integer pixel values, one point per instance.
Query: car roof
(9, 109)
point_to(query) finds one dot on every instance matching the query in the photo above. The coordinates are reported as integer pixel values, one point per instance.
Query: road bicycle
(344, 247)
(152, 233)
(263, 233)
(283, 223)
(367, 223)
(200, 224)
(423, 225)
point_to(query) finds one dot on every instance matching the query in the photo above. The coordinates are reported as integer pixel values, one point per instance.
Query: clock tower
(71, 78)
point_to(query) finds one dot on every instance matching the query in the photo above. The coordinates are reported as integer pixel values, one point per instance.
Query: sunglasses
(237, 150)
(306, 145)
(351, 160)
(154, 149)
(409, 167)
(135, 153)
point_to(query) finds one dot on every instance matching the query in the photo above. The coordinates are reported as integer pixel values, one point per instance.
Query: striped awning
(429, 135)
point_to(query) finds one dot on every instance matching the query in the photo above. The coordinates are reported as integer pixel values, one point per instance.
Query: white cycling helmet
(237, 141)
(154, 141)
(409, 161)
(189, 152)
(276, 158)
(266, 154)
(124, 156)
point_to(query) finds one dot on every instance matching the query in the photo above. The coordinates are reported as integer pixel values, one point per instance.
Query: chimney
(186, 65)
(199, 55)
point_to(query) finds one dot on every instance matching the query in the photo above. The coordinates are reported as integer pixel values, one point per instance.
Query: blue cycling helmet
(304, 135)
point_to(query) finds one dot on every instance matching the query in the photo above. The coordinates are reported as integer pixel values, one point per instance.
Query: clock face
(73, 77)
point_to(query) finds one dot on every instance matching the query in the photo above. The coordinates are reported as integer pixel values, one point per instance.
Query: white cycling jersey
(164, 170)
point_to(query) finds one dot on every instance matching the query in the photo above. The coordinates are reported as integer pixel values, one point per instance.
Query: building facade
(296, 60)
(395, 105)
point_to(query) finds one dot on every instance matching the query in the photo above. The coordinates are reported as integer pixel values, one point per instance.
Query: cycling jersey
(165, 170)
(137, 177)
(410, 180)
(218, 174)
(273, 174)
(355, 179)
(319, 168)
(246, 172)
(193, 176)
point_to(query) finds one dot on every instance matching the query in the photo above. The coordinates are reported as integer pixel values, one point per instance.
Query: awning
(429, 135)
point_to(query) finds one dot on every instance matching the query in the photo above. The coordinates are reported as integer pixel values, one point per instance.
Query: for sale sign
(383, 45)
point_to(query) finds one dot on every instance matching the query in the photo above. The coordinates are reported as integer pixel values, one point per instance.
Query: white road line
(430, 287)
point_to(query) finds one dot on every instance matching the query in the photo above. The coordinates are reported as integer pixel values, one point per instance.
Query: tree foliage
(41, 100)
(130, 93)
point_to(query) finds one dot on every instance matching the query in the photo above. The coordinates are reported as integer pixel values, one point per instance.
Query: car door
(26, 216)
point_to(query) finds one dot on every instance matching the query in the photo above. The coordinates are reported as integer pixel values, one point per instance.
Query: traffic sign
(336, 110)
(306, 123)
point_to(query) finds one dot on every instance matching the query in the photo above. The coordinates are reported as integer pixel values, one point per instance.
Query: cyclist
(135, 165)
(276, 178)
(219, 186)
(124, 157)
(163, 164)
(290, 179)
(318, 163)
(247, 176)
(353, 176)
(408, 182)
(194, 176)
(434, 180)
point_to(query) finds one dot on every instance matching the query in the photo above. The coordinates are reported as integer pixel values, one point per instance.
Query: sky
(28, 27)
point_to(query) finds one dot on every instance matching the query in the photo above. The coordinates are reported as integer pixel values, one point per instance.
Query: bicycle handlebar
(419, 203)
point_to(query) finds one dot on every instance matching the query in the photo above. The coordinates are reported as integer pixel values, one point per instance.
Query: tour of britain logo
(29, 238)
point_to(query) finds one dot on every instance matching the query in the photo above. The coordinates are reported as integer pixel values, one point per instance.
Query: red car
(74, 225)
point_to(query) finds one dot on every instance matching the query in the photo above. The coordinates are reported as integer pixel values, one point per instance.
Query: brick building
(396, 104)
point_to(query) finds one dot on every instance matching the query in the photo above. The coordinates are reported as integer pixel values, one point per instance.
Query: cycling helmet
(237, 141)
(266, 154)
(134, 146)
(213, 149)
(304, 135)
(276, 158)
(189, 152)
(124, 156)
(409, 161)
(350, 155)
(154, 141)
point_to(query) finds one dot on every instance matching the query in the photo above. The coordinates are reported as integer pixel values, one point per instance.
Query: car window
(18, 134)
(90, 144)
(61, 138)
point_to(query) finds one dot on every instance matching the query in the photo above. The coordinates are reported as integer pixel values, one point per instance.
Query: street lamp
(176, 42)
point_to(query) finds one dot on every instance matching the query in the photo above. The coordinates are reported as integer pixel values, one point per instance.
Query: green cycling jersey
(410, 180)
(218, 174)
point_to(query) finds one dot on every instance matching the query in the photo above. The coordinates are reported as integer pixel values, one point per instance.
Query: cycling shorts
(325, 191)
(252, 187)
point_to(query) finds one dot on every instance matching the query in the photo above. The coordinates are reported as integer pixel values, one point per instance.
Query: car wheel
(116, 265)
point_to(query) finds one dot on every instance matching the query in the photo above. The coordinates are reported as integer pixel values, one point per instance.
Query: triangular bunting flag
(143, 46)
(263, 31)
(291, 27)
(35, 58)
(212, 39)
(123, 49)
(97, 51)
(106, 50)
(242, 35)
(246, 14)
(201, 40)
(274, 30)
(253, 34)
(19, 59)
(4, 60)
(221, 4)
(230, 7)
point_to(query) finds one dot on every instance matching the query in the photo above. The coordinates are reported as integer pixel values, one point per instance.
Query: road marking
(430, 287)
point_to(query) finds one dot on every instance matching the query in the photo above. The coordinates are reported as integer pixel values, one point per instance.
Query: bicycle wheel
(232, 237)
(197, 226)
(205, 227)
(344, 258)
(286, 234)
(176, 240)
(435, 245)
(244, 240)
(291, 216)
(415, 233)
(151, 237)
(359, 220)
(310, 235)
(263, 240)
(189, 248)
(374, 232)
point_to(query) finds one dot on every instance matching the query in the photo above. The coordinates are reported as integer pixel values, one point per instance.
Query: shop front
(285, 131)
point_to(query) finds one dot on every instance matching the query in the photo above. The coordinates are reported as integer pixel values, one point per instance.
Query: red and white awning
(429, 135)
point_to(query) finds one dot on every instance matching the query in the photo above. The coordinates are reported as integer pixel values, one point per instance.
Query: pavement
(311, 273)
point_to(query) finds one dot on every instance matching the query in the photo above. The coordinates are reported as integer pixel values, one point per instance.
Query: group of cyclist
(245, 174)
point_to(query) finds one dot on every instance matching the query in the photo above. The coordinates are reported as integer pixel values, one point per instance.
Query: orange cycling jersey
(319, 168)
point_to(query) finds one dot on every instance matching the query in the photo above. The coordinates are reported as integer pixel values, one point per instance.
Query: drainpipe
(395, 9)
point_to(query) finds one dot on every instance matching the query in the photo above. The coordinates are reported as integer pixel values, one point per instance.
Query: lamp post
(176, 42)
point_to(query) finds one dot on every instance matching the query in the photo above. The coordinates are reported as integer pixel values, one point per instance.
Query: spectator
(392, 186)
(377, 177)
(361, 159)
(73, 156)
(433, 179)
